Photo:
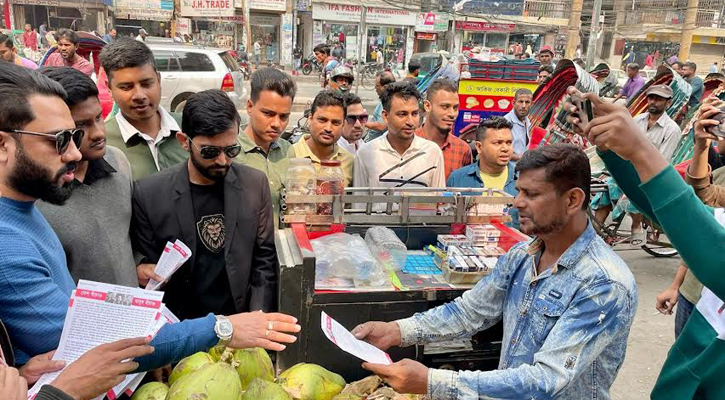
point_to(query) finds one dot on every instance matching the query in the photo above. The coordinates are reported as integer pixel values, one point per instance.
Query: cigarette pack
(445, 241)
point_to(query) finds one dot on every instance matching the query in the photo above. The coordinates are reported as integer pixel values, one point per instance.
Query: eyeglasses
(212, 152)
(62, 139)
(352, 118)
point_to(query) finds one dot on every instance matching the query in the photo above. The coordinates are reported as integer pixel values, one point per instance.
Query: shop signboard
(183, 26)
(432, 22)
(38, 2)
(487, 7)
(374, 15)
(146, 10)
(207, 8)
(425, 36)
(268, 5)
(484, 26)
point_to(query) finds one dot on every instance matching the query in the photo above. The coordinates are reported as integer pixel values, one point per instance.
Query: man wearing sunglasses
(36, 163)
(441, 104)
(326, 119)
(354, 128)
(102, 191)
(221, 210)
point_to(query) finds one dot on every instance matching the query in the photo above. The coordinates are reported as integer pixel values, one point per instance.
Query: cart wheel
(306, 69)
(654, 246)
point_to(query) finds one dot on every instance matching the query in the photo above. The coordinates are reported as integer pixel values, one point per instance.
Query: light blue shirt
(520, 132)
(565, 329)
(376, 117)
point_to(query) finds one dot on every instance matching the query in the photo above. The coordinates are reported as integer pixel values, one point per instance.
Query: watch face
(225, 328)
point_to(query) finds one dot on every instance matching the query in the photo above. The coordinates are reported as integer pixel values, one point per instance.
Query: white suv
(186, 70)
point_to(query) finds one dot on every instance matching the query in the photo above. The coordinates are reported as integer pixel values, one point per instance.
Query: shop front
(152, 15)
(340, 23)
(431, 32)
(484, 34)
(265, 25)
(60, 14)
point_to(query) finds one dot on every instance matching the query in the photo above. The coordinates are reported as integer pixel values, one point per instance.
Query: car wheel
(180, 107)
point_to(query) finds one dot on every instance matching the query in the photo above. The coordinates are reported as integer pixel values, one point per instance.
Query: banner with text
(146, 10)
(432, 22)
(484, 26)
(375, 15)
(268, 5)
(207, 8)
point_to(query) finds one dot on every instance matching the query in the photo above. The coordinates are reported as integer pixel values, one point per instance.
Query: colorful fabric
(456, 152)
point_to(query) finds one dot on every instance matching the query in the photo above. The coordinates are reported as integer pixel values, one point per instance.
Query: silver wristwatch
(223, 329)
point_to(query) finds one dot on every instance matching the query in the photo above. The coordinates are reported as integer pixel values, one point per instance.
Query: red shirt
(456, 152)
(30, 40)
(79, 63)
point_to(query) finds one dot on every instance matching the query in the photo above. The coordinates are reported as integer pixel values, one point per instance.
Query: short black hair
(322, 48)
(633, 66)
(413, 66)
(17, 84)
(7, 41)
(494, 123)
(522, 92)
(76, 84)
(352, 98)
(679, 64)
(566, 167)
(386, 78)
(438, 85)
(403, 89)
(547, 68)
(273, 80)
(126, 53)
(691, 65)
(329, 98)
(71, 35)
(208, 113)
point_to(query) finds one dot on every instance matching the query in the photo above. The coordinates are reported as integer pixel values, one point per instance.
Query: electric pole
(688, 29)
(575, 22)
(363, 47)
(593, 34)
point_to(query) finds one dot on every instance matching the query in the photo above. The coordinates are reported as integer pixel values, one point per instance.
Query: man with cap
(546, 56)
(141, 35)
(664, 134)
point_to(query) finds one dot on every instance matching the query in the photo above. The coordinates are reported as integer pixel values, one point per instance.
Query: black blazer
(163, 212)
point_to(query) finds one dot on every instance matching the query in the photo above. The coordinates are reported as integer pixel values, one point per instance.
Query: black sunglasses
(62, 139)
(212, 152)
(352, 118)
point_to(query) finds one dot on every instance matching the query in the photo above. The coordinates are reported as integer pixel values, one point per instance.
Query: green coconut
(311, 382)
(217, 381)
(151, 391)
(190, 364)
(216, 352)
(262, 389)
(253, 363)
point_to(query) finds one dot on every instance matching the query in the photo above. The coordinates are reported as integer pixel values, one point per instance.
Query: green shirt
(169, 151)
(274, 165)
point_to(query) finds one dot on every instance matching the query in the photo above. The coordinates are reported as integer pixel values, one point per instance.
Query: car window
(195, 62)
(166, 61)
(229, 61)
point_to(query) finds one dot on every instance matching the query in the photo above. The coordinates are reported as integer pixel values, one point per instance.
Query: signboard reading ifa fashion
(207, 8)
(374, 15)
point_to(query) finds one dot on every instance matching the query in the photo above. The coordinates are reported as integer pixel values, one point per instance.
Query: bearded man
(221, 210)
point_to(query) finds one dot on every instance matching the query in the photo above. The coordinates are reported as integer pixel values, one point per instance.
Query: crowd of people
(84, 198)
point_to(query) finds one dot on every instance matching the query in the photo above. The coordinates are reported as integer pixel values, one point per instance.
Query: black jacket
(163, 212)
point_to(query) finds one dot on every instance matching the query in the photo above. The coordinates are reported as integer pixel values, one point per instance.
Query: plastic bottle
(386, 247)
(300, 180)
(330, 180)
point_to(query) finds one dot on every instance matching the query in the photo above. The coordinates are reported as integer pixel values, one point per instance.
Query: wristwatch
(223, 329)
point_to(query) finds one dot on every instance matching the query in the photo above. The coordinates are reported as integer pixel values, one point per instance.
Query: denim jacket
(565, 330)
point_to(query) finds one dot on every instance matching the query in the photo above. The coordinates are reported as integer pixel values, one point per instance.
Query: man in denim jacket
(566, 299)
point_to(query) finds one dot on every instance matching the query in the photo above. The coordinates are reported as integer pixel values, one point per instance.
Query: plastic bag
(341, 255)
(386, 247)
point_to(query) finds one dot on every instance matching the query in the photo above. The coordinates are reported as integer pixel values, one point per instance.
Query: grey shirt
(94, 224)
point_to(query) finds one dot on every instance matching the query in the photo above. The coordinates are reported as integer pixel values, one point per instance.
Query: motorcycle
(309, 64)
(244, 66)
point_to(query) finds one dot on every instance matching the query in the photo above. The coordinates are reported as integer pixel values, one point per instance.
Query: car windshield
(229, 61)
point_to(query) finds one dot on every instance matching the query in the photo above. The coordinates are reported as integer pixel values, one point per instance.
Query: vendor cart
(412, 293)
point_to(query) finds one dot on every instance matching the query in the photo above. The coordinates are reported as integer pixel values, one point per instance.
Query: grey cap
(142, 31)
(663, 91)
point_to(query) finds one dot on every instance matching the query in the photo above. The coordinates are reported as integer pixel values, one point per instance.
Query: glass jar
(300, 181)
(330, 180)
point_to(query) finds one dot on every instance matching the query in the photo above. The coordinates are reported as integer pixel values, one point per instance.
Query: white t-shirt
(379, 58)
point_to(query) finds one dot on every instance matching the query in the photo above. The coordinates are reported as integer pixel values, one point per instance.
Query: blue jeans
(682, 314)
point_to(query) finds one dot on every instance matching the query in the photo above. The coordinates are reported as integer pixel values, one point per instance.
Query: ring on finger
(271, 326)
(266, 333)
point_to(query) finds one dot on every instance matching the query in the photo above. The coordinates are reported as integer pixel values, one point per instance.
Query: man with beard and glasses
(143, 130)
(221, 210)
(327, 116)
(354, 129)
(441, 104)
(99, 211)
(664, 134)
(38, 160)
(65, 54)
(269, 106)
(566, 299)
